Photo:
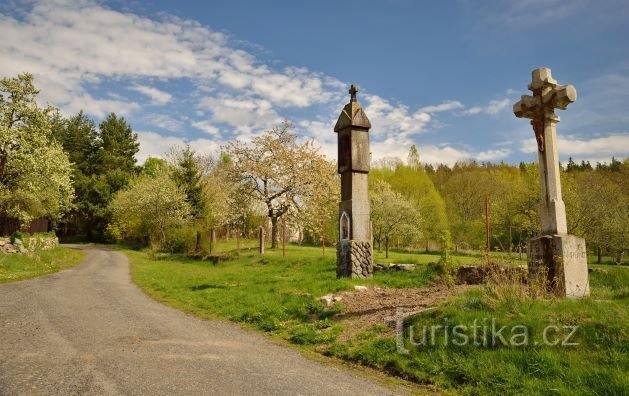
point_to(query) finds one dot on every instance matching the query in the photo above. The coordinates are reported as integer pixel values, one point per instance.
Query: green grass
(598, 365)
(14, 267)
(278, 295)
(267, 292)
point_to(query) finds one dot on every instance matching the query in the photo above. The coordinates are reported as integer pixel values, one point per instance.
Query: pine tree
(119, 145)
(188, 173)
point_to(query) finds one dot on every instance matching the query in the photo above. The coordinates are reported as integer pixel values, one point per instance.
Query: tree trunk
(599, 259)
(510, 240)
(273, 232)
(386, 246)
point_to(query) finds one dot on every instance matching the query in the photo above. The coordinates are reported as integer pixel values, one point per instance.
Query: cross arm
(527, 107)
(561, 96)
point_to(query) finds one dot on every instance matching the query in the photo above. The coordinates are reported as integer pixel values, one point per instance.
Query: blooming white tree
(390, 212)
(148, 208)
(35, 173)
(280, 172)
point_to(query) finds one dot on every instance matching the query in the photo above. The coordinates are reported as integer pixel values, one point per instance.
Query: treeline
(453, 199)
(85, 179)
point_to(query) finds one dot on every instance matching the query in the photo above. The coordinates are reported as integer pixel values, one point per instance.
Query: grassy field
(15, 267)
(597, 363)
(278, 294)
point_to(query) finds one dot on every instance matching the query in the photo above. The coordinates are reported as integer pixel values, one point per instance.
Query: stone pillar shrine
(562, 256)
(354, 250)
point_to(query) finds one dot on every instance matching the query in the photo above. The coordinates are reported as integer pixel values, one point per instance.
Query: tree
(278, 171)
(226, 206)
(390, 210)
(119, 145)
(413, 158)
(148, 208)
(116, 167)
(322, 207)
(188, 169)
(35, 173)
(416, 186)
(601, 221)
(152, 165)
(81, 142)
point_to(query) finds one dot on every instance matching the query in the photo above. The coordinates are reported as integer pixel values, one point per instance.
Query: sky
(442, 75)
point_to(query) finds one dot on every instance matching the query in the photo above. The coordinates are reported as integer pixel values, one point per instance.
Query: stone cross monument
(354, 250)
(562, 256)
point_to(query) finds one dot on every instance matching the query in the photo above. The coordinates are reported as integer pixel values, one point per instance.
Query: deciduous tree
(35, 173)
(278, 171)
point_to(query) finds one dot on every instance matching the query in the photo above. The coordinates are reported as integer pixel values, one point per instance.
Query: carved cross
(547, 96)
(353, 90)
(540, 109)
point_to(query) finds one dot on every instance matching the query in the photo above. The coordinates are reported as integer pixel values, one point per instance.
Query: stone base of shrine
(562, 261)
(354, 259)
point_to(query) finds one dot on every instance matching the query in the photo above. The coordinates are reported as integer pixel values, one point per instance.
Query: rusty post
(284, 238)
(487, 225)
(322, 239)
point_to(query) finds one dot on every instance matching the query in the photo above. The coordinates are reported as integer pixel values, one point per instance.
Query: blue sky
(441, 75)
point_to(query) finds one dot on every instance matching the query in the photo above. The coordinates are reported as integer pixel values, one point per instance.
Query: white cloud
(599, 147)
(165, 122)
(445, 106)
(157, 96)
(387, 119)
(244, 114)
(98, 107)
(430, 153)
(206, 127)
(492, 155)
(75, 49)
(155, 145)
(493, 107)
(72, 45)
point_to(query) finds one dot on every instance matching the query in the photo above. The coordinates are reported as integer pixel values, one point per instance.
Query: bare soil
(364, 309)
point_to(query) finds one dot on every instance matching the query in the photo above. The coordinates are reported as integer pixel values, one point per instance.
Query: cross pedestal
(561, 256)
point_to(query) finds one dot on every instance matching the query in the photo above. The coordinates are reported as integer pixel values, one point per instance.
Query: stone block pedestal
(354, 259)
(564, 259)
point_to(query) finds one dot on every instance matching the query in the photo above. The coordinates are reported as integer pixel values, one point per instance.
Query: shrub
(180, 240)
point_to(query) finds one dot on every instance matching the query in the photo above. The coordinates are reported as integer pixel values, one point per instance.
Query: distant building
(9, 225)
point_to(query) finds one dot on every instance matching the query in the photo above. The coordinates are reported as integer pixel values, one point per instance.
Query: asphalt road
(89, 330)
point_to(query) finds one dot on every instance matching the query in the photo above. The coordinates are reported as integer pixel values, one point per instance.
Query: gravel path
(89, 330)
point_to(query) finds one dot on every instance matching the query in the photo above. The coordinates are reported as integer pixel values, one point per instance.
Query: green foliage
(180, 239)
(415, 186)
(279, 297)
(119, 146)
(152, 166)
(602, 222)
(391, 212)
(34, 170)
(187, 171)
(317, 332)
(15, 267)
(103, 163)
(148, 210)
(276, 295)
(597, 365)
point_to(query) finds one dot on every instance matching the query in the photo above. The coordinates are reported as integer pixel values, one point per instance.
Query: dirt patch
(478, 274)
(364, 309)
